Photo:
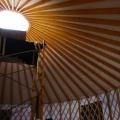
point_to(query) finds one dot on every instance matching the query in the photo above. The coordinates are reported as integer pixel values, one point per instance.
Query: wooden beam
(42, 86)
(0, 44)
(79, 109)
(4, 44)
(118, 101)
(109, 106)
(60, 111)
(70, 116)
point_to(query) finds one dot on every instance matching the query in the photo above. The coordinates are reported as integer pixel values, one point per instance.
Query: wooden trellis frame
(72, 110)
(109, 103)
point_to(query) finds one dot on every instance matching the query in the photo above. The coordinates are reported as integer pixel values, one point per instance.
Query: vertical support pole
(89, 111)
(21, 115)
(37, 106)
(99, 108)
(42, 85)
(50, 111)
(79, 109)
(33, 101)
(4, 44)
(70, 116)
(109, 107)
(0, 44)
(40, 78)
(60, 111)
(118, 100)
(32, 112)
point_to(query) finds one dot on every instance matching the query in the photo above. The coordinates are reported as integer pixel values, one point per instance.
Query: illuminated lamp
(13, 25)
(13, 28)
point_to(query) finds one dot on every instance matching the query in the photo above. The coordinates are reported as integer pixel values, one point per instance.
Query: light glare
(13, 21)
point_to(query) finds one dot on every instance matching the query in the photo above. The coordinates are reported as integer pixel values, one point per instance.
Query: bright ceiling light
(13, 21)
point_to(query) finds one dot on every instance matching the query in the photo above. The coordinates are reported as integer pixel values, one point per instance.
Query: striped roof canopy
(82, 57)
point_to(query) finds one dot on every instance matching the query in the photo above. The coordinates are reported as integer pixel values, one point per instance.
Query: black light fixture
(20, 51)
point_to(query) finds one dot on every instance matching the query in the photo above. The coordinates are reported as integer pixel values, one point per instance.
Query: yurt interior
(59, 59)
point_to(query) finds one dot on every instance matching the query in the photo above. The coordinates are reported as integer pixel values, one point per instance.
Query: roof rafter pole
(7, 74)
(13, 4)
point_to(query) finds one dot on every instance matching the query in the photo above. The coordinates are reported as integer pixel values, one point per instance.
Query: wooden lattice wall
(105, 106)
